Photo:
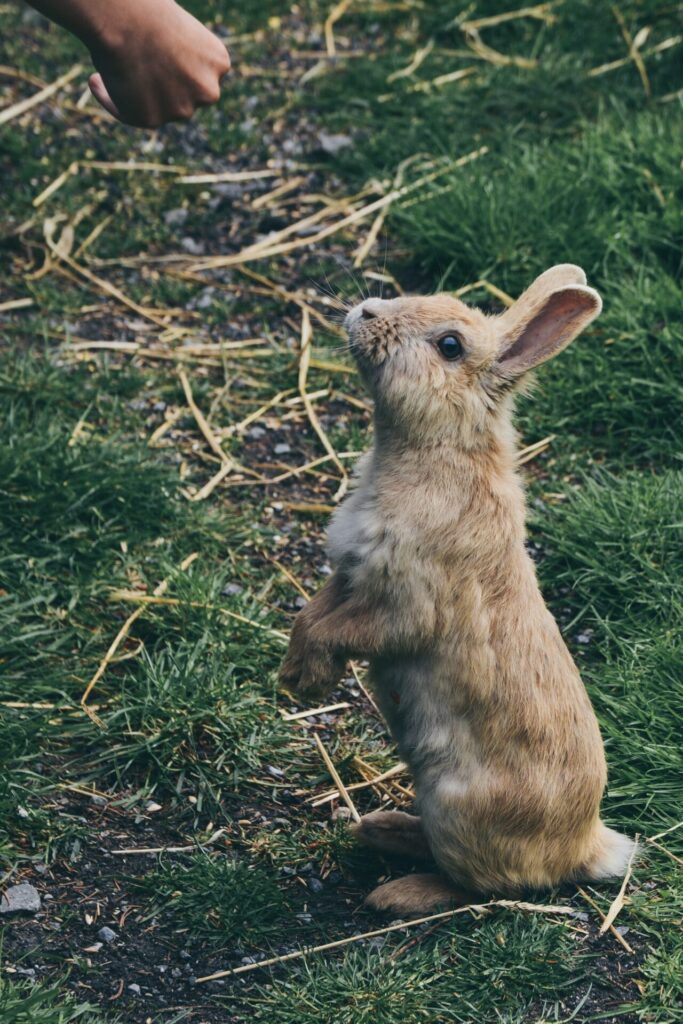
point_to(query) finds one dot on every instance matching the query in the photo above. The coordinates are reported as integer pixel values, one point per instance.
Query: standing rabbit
(433, 585)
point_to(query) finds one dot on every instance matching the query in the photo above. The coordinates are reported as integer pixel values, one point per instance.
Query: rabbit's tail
(613, 852)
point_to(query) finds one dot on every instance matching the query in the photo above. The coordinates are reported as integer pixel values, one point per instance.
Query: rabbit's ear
(545, 326)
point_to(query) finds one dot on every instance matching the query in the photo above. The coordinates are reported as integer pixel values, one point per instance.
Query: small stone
(256, 432)
(192, 246)
(135, 989)
(151, 807)
(95, 948)
(106, 934)
(232, 590)
(282, 449)
(341, 814)
(205, 298)
(332, 142)
(315, 885)
(174, 218)
(98, 801)
(20, 899)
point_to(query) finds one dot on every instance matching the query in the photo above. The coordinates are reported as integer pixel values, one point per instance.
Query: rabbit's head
(438, 368)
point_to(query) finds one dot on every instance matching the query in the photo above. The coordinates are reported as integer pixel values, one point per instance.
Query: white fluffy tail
(613, 853)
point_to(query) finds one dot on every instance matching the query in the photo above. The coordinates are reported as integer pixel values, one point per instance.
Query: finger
(99, 91)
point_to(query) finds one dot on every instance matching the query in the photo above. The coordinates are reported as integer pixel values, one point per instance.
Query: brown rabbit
(434, 586)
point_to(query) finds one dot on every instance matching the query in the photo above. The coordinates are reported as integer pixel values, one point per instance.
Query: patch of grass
(185, 723)
(663, 972)
(216, 899)
(26, 1003)
(460, 978)
(615, 547)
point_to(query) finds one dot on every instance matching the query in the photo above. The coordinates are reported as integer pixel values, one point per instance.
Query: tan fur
(393, 832)
(434, 586)
(415, 894)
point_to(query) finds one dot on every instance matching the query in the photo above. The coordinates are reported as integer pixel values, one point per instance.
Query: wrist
(113, 25)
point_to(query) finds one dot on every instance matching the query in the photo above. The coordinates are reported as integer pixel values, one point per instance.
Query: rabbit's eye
(450, 347)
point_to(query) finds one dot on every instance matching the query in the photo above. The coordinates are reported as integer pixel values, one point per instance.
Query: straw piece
(332, 18)
(666, 832)
(418, 58)
(5, 307)
(620, 898)
(170, 849)
(121, 635)
(128, 165)
(532, 908)
(210, 486)
(164, 427)
(617, 935)
(333, 794)
(491, 56)
(105, 286)
(343, 792)
(532, 450)
(663, 849)
(441, 80)
(540, 11)
(277, 193)
(56, 184)
(202, 423)
(235, 428)
(227, 176)
(311, 712)
(304, 362)
(613, 65)
(634, 49)
(174, 602)
(17, 109)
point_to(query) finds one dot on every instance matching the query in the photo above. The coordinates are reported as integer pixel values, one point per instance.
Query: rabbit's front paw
(290, 671)
(321, 670)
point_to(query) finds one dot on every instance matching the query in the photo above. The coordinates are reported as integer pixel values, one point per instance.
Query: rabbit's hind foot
(415, 895)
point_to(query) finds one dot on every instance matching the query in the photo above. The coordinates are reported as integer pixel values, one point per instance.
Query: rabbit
(433, 585)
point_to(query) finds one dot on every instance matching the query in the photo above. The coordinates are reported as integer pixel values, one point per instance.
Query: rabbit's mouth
(370, 333)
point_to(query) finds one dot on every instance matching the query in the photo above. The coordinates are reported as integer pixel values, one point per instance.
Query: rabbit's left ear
(538, 331)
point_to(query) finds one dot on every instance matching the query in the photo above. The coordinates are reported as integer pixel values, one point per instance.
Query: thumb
(99, 91)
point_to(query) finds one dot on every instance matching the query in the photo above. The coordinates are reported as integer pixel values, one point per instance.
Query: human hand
(155, 62)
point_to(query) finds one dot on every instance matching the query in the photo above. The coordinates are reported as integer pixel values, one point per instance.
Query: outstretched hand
(155, 62)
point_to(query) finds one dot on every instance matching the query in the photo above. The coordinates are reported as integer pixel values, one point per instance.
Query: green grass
(490, 975)
(216, 900)
(579, 167)
(26, 1003)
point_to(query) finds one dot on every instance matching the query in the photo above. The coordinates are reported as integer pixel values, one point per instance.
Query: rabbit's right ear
(542, 328)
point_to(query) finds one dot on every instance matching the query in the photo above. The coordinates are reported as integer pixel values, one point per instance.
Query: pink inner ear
(549, 329)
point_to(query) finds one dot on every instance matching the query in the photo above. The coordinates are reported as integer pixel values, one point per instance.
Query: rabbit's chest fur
(397, 550)
(471, 696)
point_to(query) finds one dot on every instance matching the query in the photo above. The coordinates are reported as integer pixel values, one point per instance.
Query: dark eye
(450, 347)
